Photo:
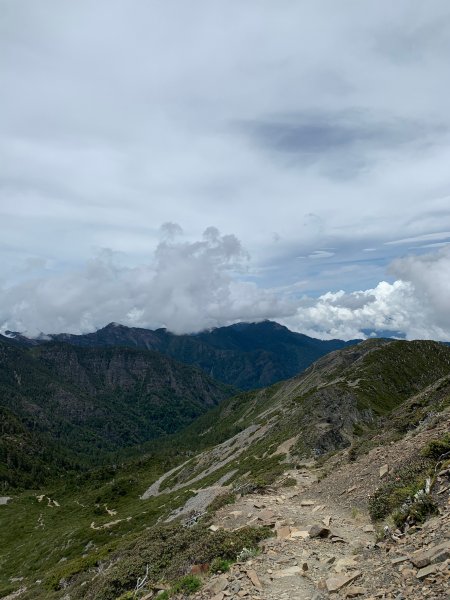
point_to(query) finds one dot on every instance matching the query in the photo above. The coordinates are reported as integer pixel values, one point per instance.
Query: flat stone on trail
(384, 470)
(430, 570)
(334, 584)
(307, 503)
(251, 574)
(289, 572)
(298, 533)
(267, 515)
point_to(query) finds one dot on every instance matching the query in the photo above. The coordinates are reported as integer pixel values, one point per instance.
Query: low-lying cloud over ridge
(189, 286)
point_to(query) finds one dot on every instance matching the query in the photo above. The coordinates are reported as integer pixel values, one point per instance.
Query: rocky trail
(324, 544)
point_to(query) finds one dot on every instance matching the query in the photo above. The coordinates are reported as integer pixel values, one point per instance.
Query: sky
(192, 164)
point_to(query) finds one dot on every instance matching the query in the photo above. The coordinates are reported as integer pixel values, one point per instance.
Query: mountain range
(245, 355)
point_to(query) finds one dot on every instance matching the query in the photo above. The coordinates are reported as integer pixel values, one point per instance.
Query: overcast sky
(194, 163)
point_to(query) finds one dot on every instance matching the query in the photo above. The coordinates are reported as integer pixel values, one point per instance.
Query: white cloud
(321, 254)
(416, 304)
(188, 286)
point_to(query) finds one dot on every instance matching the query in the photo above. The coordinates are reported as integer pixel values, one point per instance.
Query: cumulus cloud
(187, 286)
(414, 305)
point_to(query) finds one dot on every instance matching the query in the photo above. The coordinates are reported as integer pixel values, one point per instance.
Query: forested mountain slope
(63, 403)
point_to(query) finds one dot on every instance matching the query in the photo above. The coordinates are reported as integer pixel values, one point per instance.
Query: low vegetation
(406, 495)
(170, 551)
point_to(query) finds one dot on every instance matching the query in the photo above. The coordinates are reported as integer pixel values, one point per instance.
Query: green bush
(436, 448)
(220, 565)
(289, 482)
(186, 585)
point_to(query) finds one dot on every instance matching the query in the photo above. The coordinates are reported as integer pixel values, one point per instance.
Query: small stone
(384, 470)
(399, 559)
(318, 531)
(334, 584)
(283, 533)
(289, 572)
(430, 570)
(344, 563)
(337, 539)
(307, 503)
(298, 533)
(219, 584)
(251, 574)
(408, 573)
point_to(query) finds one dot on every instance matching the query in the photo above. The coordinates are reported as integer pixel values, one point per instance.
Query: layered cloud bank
(190, 286)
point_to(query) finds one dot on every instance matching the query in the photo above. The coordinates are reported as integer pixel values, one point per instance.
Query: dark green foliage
(64, 408)
(116, 489)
